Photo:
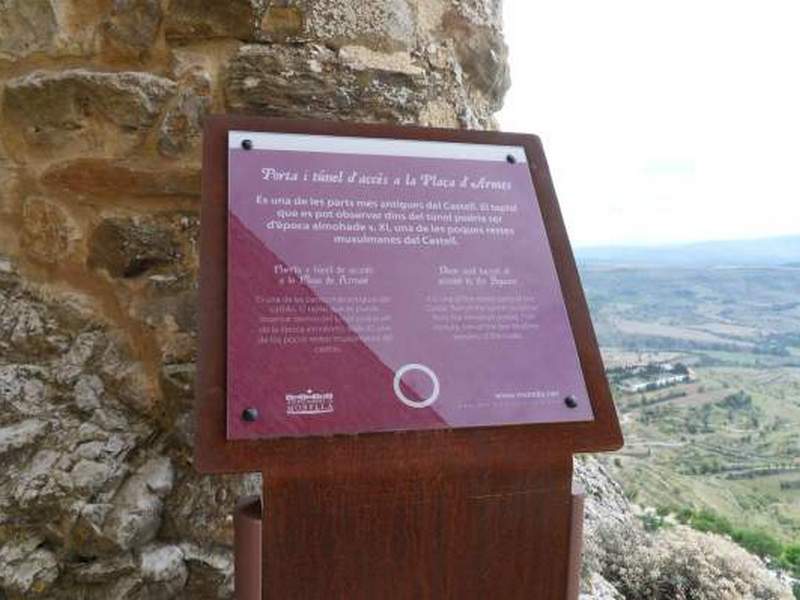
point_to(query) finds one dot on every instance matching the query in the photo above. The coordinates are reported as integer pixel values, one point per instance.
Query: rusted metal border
(214, 453)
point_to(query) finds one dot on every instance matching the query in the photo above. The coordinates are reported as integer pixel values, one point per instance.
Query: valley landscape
(702, 348)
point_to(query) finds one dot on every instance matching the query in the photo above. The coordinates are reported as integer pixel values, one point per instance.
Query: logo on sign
(411, 403)
(309, 403)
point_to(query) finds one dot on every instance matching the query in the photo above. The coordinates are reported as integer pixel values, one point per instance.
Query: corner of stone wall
(101, 112)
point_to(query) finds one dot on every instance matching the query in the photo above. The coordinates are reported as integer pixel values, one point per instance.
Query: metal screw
(510, 158)
(570, 401)
(247, 144)
(250, 414)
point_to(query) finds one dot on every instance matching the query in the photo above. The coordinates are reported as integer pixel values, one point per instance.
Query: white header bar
(297, 142)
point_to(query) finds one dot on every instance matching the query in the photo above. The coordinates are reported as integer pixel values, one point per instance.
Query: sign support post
(394, 333)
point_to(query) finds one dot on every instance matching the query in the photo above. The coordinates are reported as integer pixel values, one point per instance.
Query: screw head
(247, 144)
(510, 159)
(570, 401)
(250, 414)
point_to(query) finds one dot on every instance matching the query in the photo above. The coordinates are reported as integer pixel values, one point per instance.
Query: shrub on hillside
(682, 564)
(757, 542)
(791, 559)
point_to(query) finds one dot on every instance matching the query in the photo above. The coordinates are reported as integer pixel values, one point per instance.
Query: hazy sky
(662, 121)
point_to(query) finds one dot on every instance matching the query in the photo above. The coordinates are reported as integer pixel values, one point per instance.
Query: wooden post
(249, 568)
(419, 533)
(575, 544)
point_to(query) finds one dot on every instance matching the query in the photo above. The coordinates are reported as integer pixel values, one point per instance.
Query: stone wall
(101, 111)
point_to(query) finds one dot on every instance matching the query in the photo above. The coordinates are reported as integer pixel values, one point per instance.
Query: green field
(728, 439)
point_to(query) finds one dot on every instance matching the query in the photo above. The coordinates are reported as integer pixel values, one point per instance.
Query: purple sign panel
(387, 285)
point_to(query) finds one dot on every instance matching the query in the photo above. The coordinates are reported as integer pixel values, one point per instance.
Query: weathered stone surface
(88, 392)
(605, 499)
(109, 179)
(73, 362)
(51, 113)
(131, 28)
(200, 508)
(177, 387)
(360, 58)
(157, 256)
(166, 304)
(283, 23)
(49, 234)
(29, 330)
(66, 435)
(357, 83)
(136, 514)
(312, 81)
(388, 26)
(183, 123)
(482, 55)
(178, 373)
(22, 389)
(9, 180)
(484, 13)
(210, 571)
(21, 434)
(129, 247)
(203, 19)
(164, 571)
(26, 26)
(105, 569)
(177, 346)
(605, 506)
(27, 568)
(178, 380)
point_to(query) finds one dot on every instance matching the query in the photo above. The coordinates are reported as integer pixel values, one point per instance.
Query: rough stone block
(210, 571)
(482, 55)
(108, 179)
(27, 568)
(9, 180)
(136, 513)
(21, 434)
(203, 19)
(55, 113)
(131, 28)
(200, 508)
(182, 126)
(26, 26)
(380, 25)
(163, 570)
(312, 82)
(128, 247)
(283, 23)
(49, 234)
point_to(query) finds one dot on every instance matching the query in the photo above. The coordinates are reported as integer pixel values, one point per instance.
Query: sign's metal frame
(214, 453)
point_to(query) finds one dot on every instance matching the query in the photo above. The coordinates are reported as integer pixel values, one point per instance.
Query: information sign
(390, 284)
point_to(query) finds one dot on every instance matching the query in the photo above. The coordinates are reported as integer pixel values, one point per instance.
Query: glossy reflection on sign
(386, 285)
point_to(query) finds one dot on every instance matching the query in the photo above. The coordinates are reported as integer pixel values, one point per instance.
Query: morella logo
(309, 403)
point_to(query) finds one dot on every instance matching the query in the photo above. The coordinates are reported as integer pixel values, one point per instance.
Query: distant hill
(777, 251)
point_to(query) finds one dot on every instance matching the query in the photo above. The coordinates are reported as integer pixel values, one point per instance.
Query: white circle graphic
(405, 399)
